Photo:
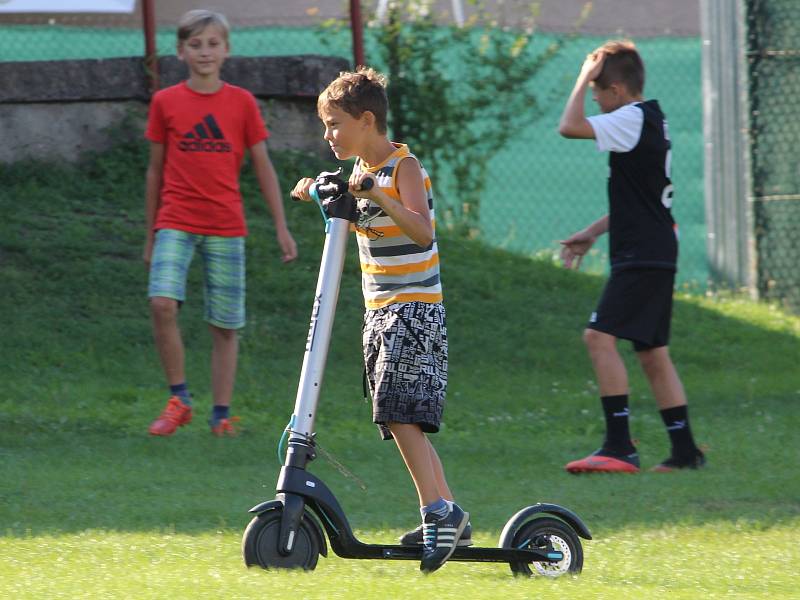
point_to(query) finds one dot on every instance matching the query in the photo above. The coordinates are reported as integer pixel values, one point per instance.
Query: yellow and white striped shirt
(393, 267)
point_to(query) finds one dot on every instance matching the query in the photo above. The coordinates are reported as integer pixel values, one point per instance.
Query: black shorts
(636, 305)
(405, 355)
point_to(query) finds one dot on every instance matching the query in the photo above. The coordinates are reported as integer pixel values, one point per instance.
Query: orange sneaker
(224, 427)
(602, 461)
(174, 415)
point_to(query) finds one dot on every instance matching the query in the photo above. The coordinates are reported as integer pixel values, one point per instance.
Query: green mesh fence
(542, 186)
(773, 50)
(65, 42)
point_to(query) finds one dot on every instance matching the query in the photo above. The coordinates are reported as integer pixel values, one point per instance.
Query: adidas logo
(205, 137)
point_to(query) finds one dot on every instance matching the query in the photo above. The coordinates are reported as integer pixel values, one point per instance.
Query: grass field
(90, 506)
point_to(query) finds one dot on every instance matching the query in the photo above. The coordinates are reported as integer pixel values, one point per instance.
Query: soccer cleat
(439, 535)
(675, 463)
(175, 414)
(414, 537)
(224, 426)
(605, 461)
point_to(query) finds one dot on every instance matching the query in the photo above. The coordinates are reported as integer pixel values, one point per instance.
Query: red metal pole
(357, 30)
(150, 51)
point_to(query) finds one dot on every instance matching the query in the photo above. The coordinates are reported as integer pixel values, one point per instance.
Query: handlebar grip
(335, 188)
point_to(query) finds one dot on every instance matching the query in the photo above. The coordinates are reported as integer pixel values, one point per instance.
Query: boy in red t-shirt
(199, 131)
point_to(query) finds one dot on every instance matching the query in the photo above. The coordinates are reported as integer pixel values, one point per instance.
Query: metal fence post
(357, 31)
(728, 186)
(150, 51)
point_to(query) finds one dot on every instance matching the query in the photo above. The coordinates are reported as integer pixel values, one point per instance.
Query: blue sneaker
(439, 537)
(414, 537)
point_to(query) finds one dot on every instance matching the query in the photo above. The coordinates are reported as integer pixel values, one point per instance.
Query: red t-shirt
(205, 138)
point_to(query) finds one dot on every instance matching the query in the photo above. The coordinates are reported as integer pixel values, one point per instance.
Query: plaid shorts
(224, 269)
(405, 355)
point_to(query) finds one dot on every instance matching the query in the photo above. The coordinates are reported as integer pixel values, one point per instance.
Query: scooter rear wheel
(260, 544)
(547, 533)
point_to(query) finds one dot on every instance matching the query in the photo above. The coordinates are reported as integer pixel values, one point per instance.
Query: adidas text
(204, 146)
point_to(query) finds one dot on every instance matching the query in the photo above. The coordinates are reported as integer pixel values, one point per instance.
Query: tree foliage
(459, 94)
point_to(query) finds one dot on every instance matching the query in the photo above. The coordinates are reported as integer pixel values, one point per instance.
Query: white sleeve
(618, 131)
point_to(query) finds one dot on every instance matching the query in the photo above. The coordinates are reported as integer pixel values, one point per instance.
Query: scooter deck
(461, 554)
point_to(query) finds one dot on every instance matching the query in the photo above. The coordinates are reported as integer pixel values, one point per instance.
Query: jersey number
(666, 194)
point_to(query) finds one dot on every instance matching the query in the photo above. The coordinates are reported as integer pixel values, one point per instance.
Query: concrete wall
(56, 110)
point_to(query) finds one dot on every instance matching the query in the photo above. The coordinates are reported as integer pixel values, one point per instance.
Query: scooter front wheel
(260, 544)
(548, 534)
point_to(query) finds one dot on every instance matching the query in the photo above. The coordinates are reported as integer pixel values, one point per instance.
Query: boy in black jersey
(636, 304)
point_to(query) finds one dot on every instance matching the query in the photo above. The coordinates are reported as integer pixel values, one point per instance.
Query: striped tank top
(393, 267)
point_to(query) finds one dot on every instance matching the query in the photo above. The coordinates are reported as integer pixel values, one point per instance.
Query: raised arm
(574, 123)
(411, 214)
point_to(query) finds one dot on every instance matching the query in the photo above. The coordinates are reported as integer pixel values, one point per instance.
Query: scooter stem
(319, 331)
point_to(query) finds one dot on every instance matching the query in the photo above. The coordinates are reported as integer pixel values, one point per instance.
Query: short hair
(358, 91)
(622, 65)
(195, 21)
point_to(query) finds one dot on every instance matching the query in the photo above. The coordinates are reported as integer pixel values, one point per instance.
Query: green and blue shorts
(223, 268)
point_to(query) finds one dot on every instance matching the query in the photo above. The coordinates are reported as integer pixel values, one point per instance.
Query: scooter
(290, 530)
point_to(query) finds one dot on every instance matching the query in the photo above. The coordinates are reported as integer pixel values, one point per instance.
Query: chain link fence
(773, 51)
(32, 37)
(542, 187)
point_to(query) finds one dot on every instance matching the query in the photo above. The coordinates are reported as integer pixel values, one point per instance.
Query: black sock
(181, 390)
(219, 412)
(618, 436)
(676, 420)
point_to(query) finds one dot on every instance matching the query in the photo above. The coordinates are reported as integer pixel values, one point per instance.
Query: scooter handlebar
(330, 188)
(367, 184)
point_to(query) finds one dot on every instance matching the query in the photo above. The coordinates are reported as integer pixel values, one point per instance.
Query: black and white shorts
(636, 305)
(405, 358)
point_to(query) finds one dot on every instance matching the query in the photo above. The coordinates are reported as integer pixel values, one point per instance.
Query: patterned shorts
(405, 354)
(224, 269)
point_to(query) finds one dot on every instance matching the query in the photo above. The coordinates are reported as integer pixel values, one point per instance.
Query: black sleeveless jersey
(642, 232)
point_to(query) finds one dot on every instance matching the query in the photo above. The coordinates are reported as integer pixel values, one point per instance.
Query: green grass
(635, 563)
(90, 506)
